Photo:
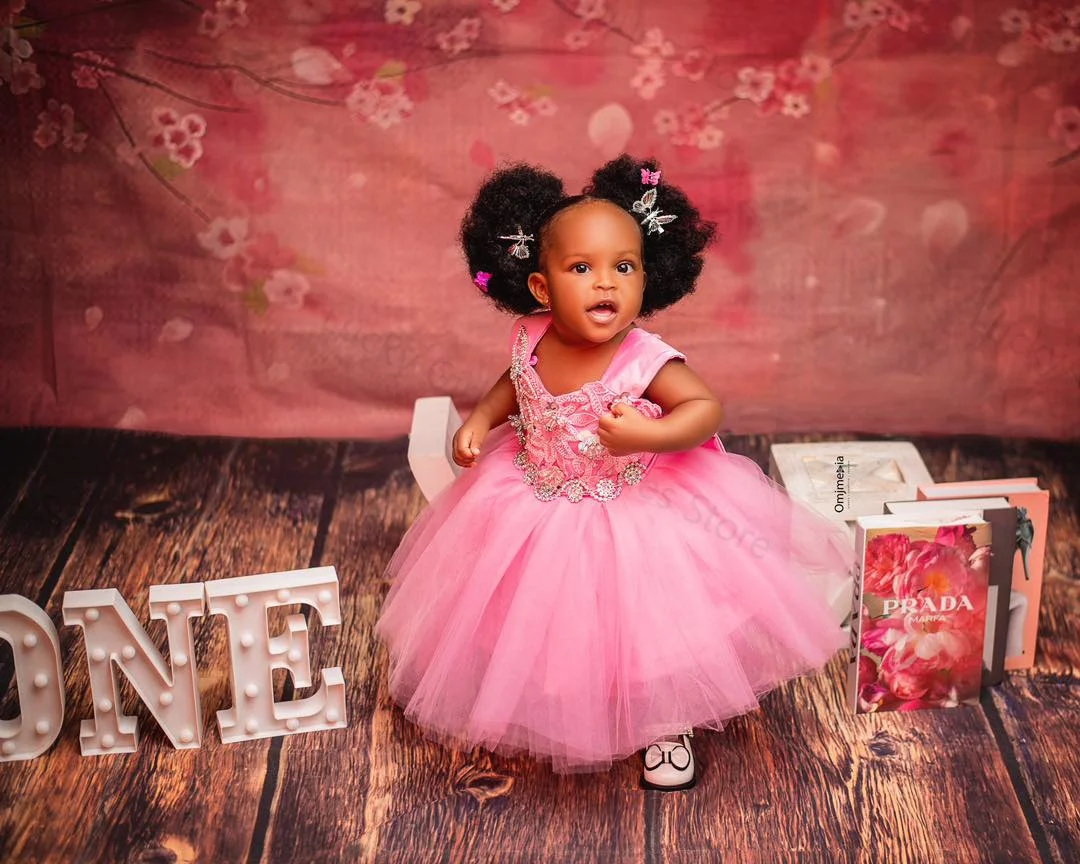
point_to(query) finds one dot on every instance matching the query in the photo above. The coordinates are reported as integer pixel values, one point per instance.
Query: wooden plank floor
(802, 780)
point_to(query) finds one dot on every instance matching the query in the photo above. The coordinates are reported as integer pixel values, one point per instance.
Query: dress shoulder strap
(638, 366)
(635, 369)
(533, 326)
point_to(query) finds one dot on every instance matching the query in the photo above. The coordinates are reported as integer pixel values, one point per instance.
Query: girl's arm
(692, 412)
(491, 411)
(498, 403)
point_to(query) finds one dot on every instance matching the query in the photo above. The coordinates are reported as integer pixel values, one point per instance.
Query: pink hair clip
(650, 178)
(481, 280)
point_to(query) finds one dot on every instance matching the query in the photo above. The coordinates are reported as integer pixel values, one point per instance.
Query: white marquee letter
(255, 654)
(39, 677)
(112, 633)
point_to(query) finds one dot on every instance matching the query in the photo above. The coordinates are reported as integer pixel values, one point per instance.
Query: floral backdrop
(236, 217)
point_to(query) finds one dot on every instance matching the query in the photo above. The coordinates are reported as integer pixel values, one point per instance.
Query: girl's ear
(539, 289)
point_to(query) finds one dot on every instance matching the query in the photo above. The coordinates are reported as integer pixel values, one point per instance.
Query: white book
(844, 480)
(938, 492)
(959, 506)
(890, 520)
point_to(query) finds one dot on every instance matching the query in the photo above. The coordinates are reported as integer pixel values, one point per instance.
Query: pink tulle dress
(560, 601)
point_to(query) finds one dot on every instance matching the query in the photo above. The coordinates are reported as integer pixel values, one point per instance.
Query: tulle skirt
(580, 632)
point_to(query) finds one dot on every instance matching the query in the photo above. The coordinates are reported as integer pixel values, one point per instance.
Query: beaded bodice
(561, 454)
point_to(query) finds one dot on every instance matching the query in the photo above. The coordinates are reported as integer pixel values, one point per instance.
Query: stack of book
(946, 593)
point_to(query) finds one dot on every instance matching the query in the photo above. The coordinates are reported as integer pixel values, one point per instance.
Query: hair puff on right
(673, 259)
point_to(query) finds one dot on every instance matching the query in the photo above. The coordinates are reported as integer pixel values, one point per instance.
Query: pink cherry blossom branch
(142, 158)
(247, 73)
(611, 28)
(149, 82)
(277, 84)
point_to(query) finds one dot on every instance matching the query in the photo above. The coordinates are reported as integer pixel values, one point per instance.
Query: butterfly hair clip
(654, 219)
(519, 249)
(650, 178)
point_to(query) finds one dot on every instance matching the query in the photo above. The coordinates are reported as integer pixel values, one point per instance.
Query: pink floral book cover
(919, 618)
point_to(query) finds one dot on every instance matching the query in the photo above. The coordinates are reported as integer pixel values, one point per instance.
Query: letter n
(112, 635)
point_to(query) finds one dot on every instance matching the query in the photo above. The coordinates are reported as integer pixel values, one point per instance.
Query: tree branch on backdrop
(149, 82)
(180, 196)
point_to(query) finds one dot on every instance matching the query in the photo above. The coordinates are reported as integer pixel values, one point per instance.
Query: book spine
(856, 617)
(1003, 547)
(1027, 577)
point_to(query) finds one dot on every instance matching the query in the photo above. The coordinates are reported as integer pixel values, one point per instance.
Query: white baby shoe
(669, 765)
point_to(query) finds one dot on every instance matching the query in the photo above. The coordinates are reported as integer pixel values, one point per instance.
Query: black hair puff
(673, 259)
(516, 198)
(522, 198)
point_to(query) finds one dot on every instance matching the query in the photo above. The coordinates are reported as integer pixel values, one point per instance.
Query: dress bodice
(561, 454)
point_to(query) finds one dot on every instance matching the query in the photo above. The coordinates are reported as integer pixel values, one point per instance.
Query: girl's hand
(625, 430)
(468, 440)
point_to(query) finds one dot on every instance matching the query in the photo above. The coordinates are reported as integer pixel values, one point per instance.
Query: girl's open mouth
(602, 313)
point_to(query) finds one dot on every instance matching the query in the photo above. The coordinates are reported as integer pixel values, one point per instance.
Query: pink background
(896, 184)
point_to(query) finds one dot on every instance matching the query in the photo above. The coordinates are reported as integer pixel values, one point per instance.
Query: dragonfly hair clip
(653, 219)
(519, 249)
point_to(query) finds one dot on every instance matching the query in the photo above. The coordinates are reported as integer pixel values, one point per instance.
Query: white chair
(435, 422)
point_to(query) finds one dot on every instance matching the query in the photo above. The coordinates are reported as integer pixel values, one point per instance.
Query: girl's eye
(626, 267)
(581, 268)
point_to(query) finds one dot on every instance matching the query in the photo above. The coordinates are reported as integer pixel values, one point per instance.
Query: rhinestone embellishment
(573, 489)
(633, 473)
(589, 445)
(546, 493)
(551, 415)
(558, 432)
(606, 490)
(519, 428)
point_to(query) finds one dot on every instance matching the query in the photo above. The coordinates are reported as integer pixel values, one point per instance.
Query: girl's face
(591, 270)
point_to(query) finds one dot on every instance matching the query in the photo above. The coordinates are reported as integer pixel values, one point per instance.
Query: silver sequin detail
(517, 361)
(633, 473)
(551, 415)
(606, 490)
(519, 428)
(589, 445)
(546, 493)
(573, 489)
